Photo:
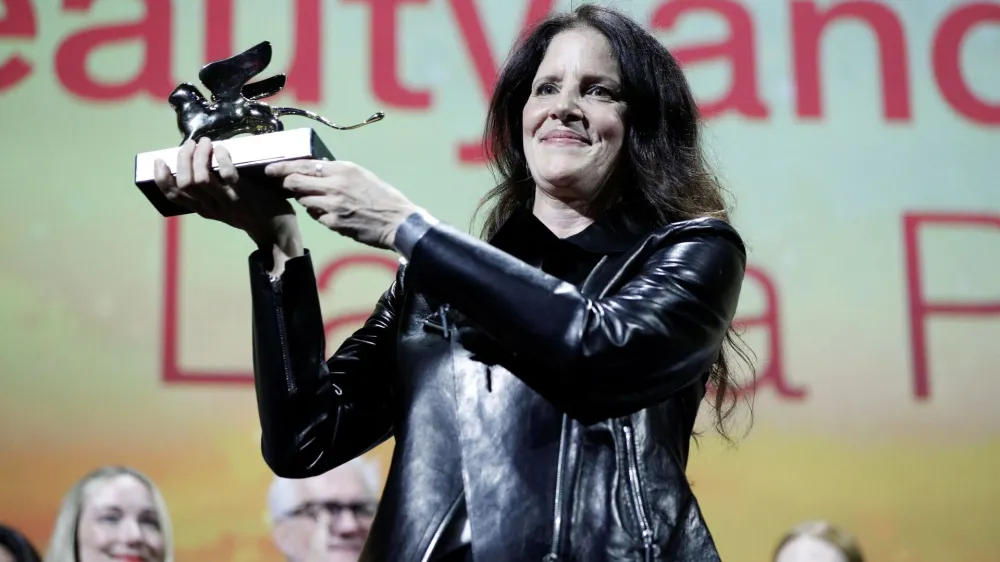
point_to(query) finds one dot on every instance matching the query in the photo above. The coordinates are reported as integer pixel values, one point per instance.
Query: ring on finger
(319, 168)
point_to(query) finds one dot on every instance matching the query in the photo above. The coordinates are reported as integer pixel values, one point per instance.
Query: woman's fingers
(220, 194)
(206, 180)
(201, 162)
(203, 185)
(320, 208)
(182, 188)
(184, 164)
(314, 168)
(313, 204)
(302, 185)
(227, 170)
(164, 179)
(227, 174)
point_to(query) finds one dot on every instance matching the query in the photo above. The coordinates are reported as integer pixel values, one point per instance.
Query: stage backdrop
(860, 139)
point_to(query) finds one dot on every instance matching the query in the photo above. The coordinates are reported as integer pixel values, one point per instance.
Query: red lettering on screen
(471, 25)
(304, 73)
(304, 76)
(19, 23)
(922, 309)
(739, 49)
(341, 266)
(948, 61)
(384, 48)
(810, 20)
(171, 370)
(772, 373)
(808, 24)
(219, 19)
(153, 30)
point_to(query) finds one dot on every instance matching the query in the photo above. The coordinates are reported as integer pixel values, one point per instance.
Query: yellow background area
(821, 201)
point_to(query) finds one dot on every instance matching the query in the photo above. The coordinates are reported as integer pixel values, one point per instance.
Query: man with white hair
(325, 518)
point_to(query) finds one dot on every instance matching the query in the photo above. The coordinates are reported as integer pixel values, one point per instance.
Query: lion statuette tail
(279, 111)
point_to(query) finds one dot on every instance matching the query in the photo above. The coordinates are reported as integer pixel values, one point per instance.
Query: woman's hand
(260, 211)
(346, 198)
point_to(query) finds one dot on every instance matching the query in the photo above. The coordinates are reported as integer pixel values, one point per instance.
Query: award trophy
(235, 109)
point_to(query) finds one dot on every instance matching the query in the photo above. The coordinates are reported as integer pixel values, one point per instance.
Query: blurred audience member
(325, 518)
(15, 547)
(114, 514)
(818, 541)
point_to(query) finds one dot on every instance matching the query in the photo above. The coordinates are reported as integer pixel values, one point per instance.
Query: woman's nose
(566, 106)
(131, 531)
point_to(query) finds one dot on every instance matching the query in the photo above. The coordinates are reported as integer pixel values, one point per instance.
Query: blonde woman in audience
(818, 541)
(114, 514)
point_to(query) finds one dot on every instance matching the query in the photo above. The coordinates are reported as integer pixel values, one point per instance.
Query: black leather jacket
(562, 414)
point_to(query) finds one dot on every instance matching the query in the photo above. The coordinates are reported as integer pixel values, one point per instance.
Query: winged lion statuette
(235, 107)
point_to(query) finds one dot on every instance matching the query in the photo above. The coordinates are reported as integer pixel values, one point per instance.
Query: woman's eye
(545, 89)
(599, 91)
(108, 518)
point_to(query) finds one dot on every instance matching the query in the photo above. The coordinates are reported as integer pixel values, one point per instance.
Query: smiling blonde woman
(113, 514)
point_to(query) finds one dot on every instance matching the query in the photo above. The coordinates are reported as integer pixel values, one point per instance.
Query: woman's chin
(567, 182)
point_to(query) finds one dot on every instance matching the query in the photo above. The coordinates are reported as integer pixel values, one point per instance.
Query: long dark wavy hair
(661, 176)
(18, 545)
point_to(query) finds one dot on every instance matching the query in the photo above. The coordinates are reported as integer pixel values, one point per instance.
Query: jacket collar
(610, 234)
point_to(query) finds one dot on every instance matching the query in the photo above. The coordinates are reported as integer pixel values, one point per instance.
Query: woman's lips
(563, 136)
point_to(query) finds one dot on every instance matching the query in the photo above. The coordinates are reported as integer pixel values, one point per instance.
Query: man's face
(329, 518)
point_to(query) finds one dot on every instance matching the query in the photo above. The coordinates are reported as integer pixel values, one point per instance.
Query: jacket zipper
(436, 537)
(283, 337)
(636, 490)
(557, 508)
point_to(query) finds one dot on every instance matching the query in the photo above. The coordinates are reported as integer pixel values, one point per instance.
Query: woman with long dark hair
(15, 547)
(541, 385)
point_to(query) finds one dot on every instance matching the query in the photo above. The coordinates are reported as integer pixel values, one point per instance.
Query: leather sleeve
(660, 330)
(316, 414)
